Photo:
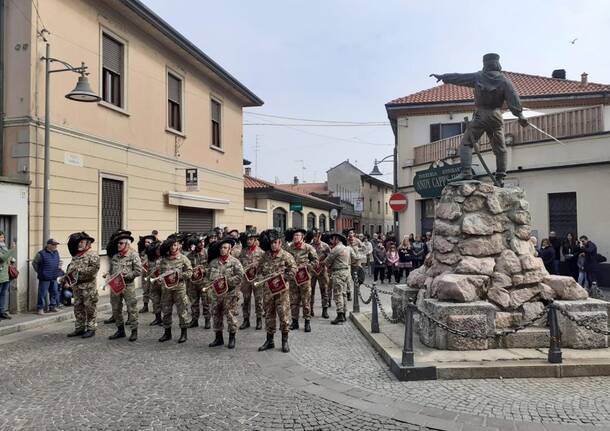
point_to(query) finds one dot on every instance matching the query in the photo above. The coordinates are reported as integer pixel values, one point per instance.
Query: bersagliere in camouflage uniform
(126, 261)
(321, 277)
(83, 268)
(305, 257)
(338, 262)
(358, 255)
(200, 299)
(275, 261)
(153, 256)
(223, 265)
(180, 270)
(249, 258)
(144, 242)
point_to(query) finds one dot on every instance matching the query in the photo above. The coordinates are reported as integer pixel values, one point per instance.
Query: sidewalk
(30, 320)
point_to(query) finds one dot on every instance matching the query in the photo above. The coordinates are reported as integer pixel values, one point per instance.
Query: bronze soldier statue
(491, 90)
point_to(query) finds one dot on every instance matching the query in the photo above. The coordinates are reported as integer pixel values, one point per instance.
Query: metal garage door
(195, 219)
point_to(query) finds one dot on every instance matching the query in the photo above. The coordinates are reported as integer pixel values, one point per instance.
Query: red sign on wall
(398, 202)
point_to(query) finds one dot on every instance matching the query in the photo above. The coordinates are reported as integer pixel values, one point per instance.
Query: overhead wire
(318, 121)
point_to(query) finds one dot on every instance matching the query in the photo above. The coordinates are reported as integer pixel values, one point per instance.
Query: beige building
(274, 206)
(161, 150)
(566, 183)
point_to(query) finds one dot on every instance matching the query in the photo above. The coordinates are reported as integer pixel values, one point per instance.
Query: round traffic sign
(398, 202)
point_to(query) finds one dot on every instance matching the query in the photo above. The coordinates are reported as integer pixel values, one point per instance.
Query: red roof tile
(307, 188)
(254, 184)
(526, 86)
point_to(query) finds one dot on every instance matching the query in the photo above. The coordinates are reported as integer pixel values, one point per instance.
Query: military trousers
(320, 280)
(178, 297)
(200, 301)
(339, 282)
(226, 305)
(487, 121)
(248, 290)
(146, 287)
(128, 295)
(277, 307)
(155, 296)
(85, 308)
(300, 296)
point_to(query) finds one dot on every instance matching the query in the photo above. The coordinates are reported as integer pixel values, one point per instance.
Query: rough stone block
(482, 246)
(446, 229)
(474, 203)
(508, 263)
(450, 258)
(448, 210)
(459, 287)
(476, 265)
(528, 338)
(591, 312)
(565, 287)
(417, 278)
(442, 245)
(472, 324)
(499, 296)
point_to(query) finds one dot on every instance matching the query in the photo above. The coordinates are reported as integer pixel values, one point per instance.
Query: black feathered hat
(300, 230)
(75, 238)
(151, 250)
(326, 237)
(166, 245)
(112, 247)
(309, 236)
(214, 250)
(142, 240)
(267, 237)
(243, 239)
(341, 237)
(288, 234)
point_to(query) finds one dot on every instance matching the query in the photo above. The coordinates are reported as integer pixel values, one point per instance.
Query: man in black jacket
(590, 251)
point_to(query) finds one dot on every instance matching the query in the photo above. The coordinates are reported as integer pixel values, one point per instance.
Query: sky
(342, 60)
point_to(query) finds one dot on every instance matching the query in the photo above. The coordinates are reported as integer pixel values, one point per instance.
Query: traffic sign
(398, 202)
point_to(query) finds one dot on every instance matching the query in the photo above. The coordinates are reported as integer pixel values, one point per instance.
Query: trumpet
(153, 279)
(264, 280)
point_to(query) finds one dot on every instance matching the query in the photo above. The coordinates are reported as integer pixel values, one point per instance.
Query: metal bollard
(356, 303)
(407, 348)
(555, 343)
(374, 313)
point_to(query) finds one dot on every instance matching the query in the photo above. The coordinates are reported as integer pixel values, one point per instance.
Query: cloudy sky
(342, 60)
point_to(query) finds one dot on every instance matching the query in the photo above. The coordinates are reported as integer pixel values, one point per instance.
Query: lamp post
(81, 93)
(377, 172)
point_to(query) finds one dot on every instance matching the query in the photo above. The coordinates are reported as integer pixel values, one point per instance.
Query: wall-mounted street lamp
(81, 93)
(376, 170)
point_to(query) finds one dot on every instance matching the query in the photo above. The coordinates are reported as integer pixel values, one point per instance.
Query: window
(297, 219)
(378, 207)
(311, 221)
(174, 102)
(386, 208)
(216, 121)
(442, 131)
(112, 70)
(112, 208)
(562, 214)
(279, 219)
(380, 229)
(322, 222)
(370, 205)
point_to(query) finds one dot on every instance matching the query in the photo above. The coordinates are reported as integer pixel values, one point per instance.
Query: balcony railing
(577, 122)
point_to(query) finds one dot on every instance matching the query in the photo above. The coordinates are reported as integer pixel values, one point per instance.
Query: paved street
(331, 380)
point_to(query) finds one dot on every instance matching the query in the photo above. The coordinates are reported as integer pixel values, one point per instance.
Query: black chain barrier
(580, 323)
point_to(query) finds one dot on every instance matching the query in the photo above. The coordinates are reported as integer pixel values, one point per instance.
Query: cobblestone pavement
(566, 400)
(50, 382)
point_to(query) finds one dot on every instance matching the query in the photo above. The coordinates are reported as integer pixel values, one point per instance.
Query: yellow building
(161, 150)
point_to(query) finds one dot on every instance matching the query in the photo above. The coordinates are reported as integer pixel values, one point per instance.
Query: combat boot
(76, 333)
(157, 320)
(88, 334)
(231, 344)
(311, 312)
(295, 324)
(144, 308)
(259, 323)
(182, 338)
(134, 335)
(307, 326)
(343, 317)
(194, 323)
(167, 335)
(245, 324)
(325, 312)
(349, 296)
(338, 320)
(120, 333)
(110, 320)
(218, 341)
(208, 324)
(285, 347)
(268, 344)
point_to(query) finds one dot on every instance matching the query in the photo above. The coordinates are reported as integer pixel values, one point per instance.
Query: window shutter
(174, 92)
(112, 208)
(215, 111)
(435, 132)
(112, 55)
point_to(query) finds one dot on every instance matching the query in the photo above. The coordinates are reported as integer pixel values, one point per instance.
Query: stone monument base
(483, 318)
(401, 296)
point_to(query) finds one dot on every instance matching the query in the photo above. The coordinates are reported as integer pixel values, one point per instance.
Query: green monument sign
(430, 182)
(296, 206)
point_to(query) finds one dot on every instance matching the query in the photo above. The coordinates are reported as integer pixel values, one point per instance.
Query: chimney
(559, 74)
(249, 171)
(584, 78)
(295, 180)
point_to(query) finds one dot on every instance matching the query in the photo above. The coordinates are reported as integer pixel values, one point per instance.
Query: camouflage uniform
(236, 250)
(176, 295)
(251, 257)
(277, 304)
(358, 252)
(194, 289)
(305, 255)
(131, 267)
(155, 286)
(86, 267)
(146, 284)
(338, 263)
(227, 304)
(322, 250)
